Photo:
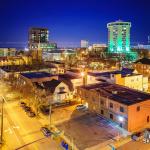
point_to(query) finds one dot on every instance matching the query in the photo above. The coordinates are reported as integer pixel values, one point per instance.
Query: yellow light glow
(82, 74)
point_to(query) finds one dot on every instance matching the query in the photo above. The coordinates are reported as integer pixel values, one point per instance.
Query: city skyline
(71, 21)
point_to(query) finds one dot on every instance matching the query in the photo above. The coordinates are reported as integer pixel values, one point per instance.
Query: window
(138, 108)
(111, 116)
(102, 102)
(102, 112)
(111, 105)
(121, 109)
(61, 89)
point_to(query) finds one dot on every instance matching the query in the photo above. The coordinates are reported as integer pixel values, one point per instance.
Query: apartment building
(127, 107)
(125, 77)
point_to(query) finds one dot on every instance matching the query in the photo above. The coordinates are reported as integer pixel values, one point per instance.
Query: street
(21, 131)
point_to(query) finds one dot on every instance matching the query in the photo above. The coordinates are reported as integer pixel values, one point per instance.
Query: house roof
(123, 72)
(118, 93)
(31, 75)
(68, 76)
(51, 85)
(145, 61)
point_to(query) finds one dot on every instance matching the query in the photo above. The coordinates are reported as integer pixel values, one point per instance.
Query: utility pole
(50, 115)
(1, 138)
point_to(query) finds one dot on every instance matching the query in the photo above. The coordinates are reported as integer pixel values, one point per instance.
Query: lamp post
(50, 115)
(83, 78)
(50, 112)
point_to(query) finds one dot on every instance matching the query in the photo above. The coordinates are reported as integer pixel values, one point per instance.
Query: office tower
(119, 37)
(84, 44)
(38, 42)
(36, 36)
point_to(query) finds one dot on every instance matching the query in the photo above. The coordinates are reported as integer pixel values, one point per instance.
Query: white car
(81, 107)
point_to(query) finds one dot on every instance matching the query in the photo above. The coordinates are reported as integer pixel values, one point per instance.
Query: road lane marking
(31, 143)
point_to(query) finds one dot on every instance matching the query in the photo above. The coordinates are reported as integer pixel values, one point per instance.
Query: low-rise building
(15, 60)
(142, 66)
(58, 54)
(127, 107)
(39, 77)
(4, 52)
(125, 77)
(14, 70)
(58, 90)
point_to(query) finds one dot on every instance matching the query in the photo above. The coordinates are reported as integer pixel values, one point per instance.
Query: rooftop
(124, 72)
(145, 61)
(74, 70)
(51, 85)
(31, 75)
(118, 93)
(68, 76)
(22, 68)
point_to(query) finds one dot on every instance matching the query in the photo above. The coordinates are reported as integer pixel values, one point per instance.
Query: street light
(120, 118)
(82, 74)
(50, 115)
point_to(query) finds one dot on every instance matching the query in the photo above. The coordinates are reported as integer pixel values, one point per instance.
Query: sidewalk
(116, 144)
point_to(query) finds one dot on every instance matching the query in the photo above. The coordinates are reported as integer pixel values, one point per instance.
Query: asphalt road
(21, 131)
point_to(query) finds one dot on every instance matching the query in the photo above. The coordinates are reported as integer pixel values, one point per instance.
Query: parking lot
(90, 130)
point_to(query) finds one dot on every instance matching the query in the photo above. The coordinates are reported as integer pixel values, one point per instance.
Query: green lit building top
(119, 37)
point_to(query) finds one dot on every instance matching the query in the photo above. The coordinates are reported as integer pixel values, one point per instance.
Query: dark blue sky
(69, 21)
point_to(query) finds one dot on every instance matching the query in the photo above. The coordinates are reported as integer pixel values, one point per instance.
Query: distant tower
(119, 37)
(84, 44)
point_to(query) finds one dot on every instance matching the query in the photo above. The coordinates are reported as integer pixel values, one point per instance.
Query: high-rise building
(36, 36)
(119, 37)
(39, 42)
(84, 44)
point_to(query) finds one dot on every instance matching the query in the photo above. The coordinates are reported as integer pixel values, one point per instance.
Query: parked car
(27, 108)
(31, 114)
(46, 131)
(62, 104)
(81, 107)
(22, 104)
(137, 136)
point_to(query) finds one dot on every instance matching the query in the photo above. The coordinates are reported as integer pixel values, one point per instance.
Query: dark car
(31, 114)
(22, 104)
(46, 131)
(136, 136)
(27, 108)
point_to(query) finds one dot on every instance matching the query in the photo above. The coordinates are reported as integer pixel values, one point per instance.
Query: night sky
(69, 21)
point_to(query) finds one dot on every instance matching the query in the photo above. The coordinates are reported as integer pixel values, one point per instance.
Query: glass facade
(119, 37)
